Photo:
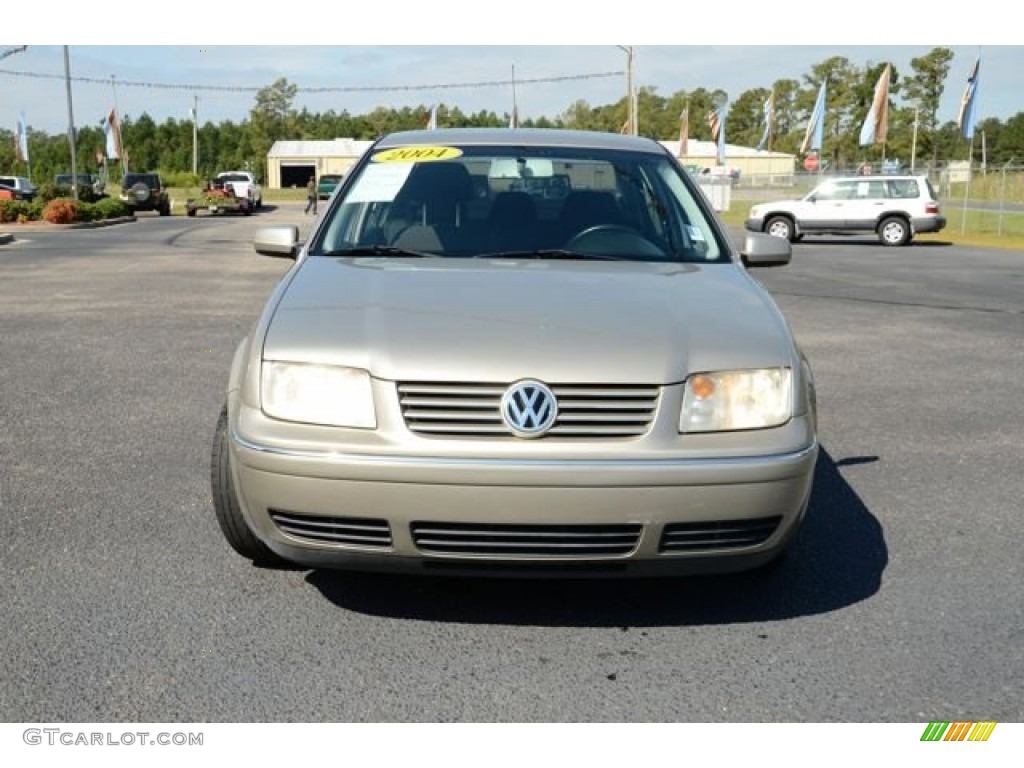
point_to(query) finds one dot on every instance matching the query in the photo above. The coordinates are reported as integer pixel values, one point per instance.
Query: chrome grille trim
(603, 411)
(717, 535)
(350, 531)
(535, 541)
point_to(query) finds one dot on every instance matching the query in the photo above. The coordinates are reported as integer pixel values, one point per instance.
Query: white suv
(894, 207)
(19, 184)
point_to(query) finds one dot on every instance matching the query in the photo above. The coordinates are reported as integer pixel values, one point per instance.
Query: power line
(12, 51)
(326, 89)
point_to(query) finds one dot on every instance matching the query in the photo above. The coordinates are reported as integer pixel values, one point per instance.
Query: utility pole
(913, 143)
(631, 104)
(195, 135)
(120, 132)
(71, 123)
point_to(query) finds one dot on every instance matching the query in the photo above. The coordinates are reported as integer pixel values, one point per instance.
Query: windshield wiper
(377, 250)
(548, 253)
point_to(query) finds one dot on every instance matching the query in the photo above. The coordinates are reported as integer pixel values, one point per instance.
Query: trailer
(218, 197)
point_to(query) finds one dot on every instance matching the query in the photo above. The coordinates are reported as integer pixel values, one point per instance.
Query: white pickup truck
(244, 185)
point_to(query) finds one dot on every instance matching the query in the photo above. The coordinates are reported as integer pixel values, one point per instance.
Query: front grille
(601, 411)
(351, 531)
(717, 535)
(498, 540)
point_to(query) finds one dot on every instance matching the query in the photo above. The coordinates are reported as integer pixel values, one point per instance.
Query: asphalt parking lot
(902, 601)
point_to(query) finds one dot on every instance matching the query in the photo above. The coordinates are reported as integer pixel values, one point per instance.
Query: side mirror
(277, 241)
(765, 251)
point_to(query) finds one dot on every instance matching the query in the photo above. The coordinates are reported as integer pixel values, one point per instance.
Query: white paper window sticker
(379, 183)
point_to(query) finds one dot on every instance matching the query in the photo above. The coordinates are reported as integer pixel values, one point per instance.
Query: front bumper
(512, 499)
(755, 224)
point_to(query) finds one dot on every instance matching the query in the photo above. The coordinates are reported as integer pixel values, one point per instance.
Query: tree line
(914, 97)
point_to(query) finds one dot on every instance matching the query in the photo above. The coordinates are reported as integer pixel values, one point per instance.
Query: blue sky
(337, 55)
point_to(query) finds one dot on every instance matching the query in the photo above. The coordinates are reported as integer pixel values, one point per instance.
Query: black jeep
(145, 192)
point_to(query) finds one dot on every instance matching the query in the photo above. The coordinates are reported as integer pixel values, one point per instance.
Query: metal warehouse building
(756, 166)
(291, 163)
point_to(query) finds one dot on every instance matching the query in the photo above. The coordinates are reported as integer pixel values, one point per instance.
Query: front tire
(894, 231)
(780, 226)
(225, 502)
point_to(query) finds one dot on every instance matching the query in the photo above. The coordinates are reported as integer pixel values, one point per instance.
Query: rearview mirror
(761, 250)
(277, 241)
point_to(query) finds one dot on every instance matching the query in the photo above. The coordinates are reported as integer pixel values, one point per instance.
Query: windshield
(508, 202)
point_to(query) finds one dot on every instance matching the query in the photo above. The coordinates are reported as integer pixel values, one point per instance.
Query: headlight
(727, 400)
(318, 394)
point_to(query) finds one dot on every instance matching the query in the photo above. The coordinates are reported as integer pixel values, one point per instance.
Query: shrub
(18, 210)
(179, 179)
(110, 208)
(86, 194)
(86, 212)
(61, 211)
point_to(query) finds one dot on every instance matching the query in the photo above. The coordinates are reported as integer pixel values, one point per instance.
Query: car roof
(878, 177)
(521, 137)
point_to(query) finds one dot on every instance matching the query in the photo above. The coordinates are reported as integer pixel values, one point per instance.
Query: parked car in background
(327, 183)
(21, 187)
(218, 197)
(96, 184)
(465, 374)
(145, 192)
(895, 208)
(244, 185)
(84, 179)
(721, 172)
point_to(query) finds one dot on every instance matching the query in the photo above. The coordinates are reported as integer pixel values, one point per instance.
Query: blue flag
(769, 123)
(816, 125)
(966, 119)
(21, 140)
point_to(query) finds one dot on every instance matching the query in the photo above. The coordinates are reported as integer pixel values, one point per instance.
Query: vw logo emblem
(529, 408)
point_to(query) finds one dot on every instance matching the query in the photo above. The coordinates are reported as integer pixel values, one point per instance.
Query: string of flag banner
(324, 89)
(874, 129)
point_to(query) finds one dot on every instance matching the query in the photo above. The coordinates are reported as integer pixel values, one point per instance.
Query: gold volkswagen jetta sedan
(517, 351)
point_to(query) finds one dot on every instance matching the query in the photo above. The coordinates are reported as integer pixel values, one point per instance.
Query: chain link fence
(975, 201)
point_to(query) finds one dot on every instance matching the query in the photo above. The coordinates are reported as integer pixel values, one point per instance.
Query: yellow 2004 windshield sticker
(416, 154)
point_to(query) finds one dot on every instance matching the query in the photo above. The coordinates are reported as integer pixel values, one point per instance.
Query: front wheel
(894, 231)
(780, 226)
(225, 502)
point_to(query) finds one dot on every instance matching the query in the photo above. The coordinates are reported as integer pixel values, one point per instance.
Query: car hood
(500, 321)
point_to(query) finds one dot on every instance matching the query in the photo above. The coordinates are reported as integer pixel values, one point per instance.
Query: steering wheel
(597, 229)
(614, 239)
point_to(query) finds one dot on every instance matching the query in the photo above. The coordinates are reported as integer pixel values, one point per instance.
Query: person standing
(311, 195)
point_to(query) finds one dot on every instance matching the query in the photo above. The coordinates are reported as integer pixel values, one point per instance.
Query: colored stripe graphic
(958, 731)
(982, 731)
